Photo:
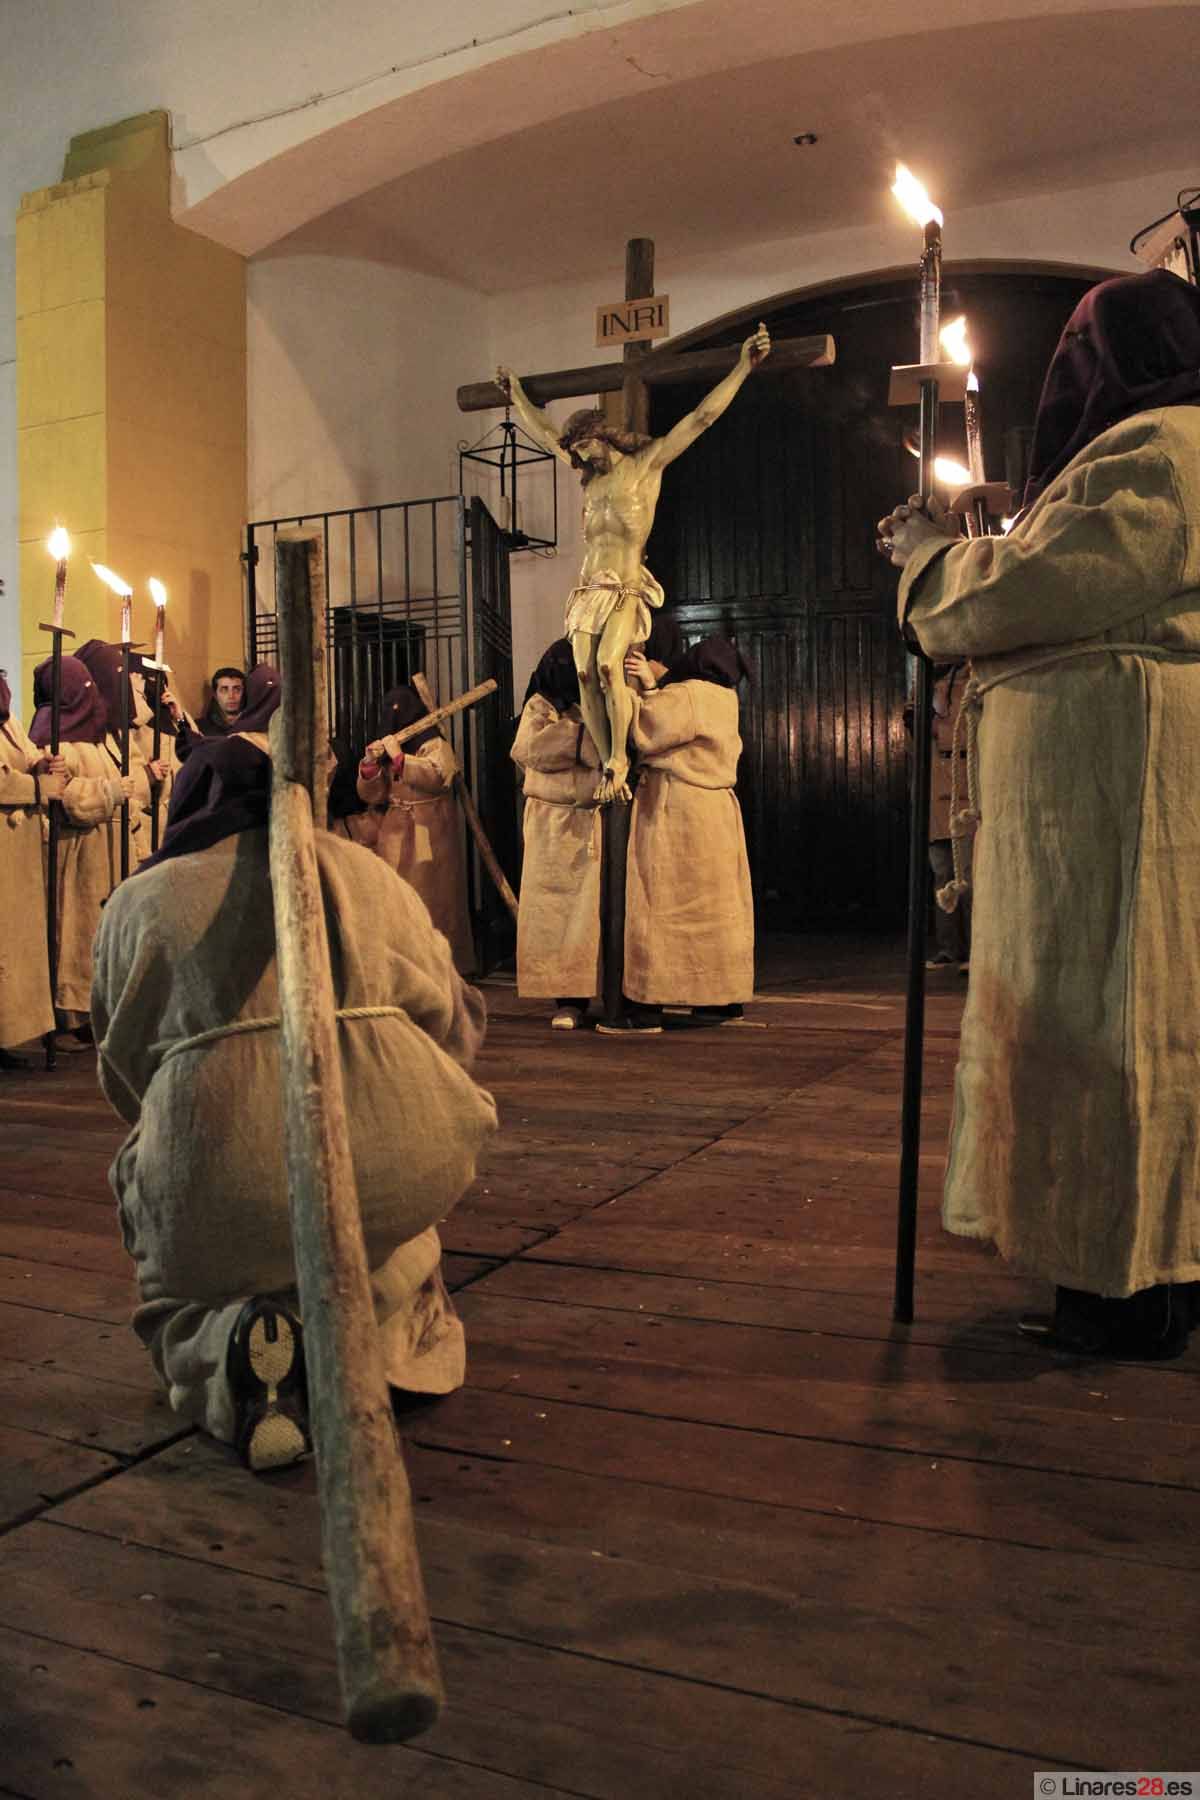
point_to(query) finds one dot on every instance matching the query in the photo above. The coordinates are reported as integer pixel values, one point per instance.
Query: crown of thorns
(592, 422)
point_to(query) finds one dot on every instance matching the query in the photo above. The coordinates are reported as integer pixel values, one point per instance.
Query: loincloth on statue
(590, 607)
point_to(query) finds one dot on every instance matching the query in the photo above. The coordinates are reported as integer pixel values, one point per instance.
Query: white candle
(59, 546)
(159, 594)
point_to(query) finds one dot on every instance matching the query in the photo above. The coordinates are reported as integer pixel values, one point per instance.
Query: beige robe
(26, 1010)
(189, 947)
(89, 866)
(1076, 1137)
(420, 837)
(689, 908)
(558, 921)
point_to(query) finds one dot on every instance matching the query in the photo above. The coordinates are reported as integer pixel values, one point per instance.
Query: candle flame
(1006, 525)
(913, 197)
(113, 581)
(951, 473)
(59, 544)
(158, 592)
(953, 339)
(972, 383)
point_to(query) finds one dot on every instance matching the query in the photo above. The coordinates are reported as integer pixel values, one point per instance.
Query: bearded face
(595, 455)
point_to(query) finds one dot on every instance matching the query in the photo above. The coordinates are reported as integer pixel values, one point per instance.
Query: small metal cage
(506, 449)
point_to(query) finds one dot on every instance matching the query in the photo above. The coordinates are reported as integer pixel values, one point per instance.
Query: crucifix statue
(621, 484)
(609, 611)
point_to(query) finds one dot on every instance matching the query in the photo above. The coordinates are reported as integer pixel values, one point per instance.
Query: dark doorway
(765, 530)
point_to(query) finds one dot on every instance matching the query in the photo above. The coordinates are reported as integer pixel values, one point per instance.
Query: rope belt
(242, 1027)
(433, 800)
(964, 821)
(581, 806)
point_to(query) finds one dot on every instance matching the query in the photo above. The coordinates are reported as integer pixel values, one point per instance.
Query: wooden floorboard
(703, 1522)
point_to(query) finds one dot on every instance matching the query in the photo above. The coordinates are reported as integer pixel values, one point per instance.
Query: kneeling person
(186, 1014)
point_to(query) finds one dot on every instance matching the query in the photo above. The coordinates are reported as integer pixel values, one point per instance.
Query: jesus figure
(609, 611)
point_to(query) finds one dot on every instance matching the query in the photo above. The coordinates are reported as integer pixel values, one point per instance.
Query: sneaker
(943, 960)
(264, 1366)
(567, 1018)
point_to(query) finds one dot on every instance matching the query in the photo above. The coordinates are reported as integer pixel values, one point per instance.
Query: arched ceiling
(680, 126)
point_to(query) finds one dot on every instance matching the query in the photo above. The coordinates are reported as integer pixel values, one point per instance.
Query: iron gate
(413, 585)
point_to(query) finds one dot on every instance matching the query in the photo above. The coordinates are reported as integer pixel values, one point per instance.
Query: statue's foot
(613, 786)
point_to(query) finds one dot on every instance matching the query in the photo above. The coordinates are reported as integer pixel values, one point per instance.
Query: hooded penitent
(402, 706)
(556, 678)
(223, 788)
(103, 663)
(263, 694)
(1131, 345)
(714, 659)
(83, 712)
(665, 643)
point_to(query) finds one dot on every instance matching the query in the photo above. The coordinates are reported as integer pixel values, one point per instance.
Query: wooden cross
(641, 368)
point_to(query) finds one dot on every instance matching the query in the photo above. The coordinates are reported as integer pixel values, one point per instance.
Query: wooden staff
(387, 1662)
(487, 854)
(394, 740)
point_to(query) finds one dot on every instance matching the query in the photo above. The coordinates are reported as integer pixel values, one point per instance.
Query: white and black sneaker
(265, 1370)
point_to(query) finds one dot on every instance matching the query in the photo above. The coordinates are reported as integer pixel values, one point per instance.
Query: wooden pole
(436, 714)
(387, 1662)
(615, 819)
(487, 855)
(660, 367)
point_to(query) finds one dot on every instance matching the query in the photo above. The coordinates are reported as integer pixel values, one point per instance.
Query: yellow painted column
(131, 405)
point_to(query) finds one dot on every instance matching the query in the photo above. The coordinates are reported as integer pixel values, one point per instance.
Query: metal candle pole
(918, 843)
(59, 547)
(160, 680)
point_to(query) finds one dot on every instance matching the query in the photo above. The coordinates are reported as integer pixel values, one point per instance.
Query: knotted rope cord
(971, 707)
(241, 1027)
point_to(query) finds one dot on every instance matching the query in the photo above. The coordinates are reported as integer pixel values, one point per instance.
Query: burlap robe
(189, 947)
(89, 865)
(420, 837)
(26, 1010)
(689, 909)
(1076, 1136)
(558, 924)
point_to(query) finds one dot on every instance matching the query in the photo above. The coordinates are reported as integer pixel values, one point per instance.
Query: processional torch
(925, 383)
(59, 546)
(126, 592)
(161, 671)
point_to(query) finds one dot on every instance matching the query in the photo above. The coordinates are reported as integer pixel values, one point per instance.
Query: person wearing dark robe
(689, 908)
(88, 863)
(1075, 1147)
(262, 696)
(558, 921)
(29, 779)
(186, 1012)
(349, 817)
(410, 791)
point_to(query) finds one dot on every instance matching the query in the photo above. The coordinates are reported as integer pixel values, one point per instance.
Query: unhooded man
(220, 716)
(186, 1015)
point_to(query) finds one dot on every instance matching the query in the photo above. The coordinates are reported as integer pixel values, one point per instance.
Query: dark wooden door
(765, 530)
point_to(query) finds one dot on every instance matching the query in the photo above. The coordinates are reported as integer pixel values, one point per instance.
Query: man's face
(596, 452)
(229, 695)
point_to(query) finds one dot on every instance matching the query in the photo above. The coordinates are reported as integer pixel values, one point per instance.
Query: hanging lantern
(508, 450)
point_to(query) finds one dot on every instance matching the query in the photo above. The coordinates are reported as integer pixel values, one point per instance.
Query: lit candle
(59, 546)
(126, 592)
(917, 204)
(159, 595)
(957, 348)
(950, 473)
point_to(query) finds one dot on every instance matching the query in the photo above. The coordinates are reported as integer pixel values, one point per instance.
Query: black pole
(156, 787)
(56, 631)
(124, 758)
(918, 840)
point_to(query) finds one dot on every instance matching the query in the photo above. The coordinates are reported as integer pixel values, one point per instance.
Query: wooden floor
(703, 1524)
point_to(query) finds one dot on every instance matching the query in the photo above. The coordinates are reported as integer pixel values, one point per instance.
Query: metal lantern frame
(1173, 242)
(508, 449)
